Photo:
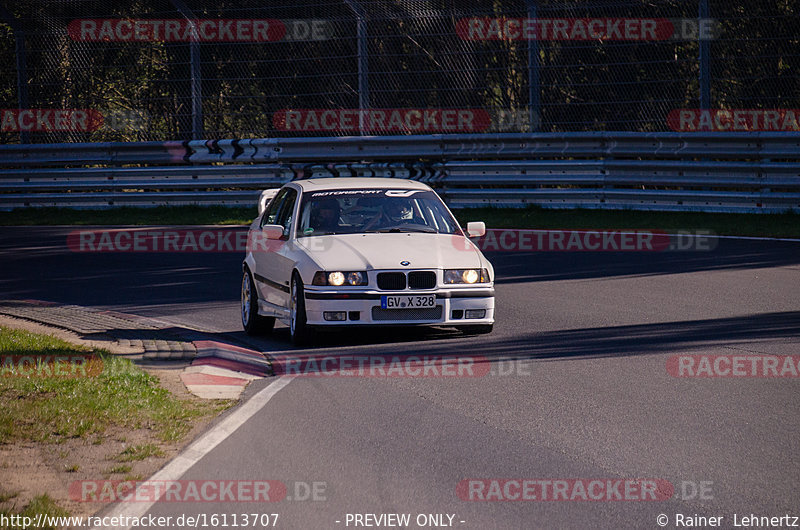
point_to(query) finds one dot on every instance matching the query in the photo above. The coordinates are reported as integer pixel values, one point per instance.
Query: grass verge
(42, 504)
(43, 406)
(760, 225)
(139, 452)
(48, 408)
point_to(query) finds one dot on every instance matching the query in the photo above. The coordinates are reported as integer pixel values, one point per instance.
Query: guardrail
(731, 172)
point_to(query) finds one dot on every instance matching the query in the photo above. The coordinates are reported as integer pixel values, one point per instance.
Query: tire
(299, 331)
(252, 322)
(478, 329)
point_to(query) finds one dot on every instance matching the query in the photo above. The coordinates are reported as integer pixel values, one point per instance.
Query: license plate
(408, 301)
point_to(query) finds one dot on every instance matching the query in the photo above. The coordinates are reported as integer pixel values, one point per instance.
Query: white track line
(201, 447)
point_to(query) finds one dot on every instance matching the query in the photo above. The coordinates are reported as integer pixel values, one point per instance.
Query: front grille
(422, 279)
(391, 281)
(418, 313)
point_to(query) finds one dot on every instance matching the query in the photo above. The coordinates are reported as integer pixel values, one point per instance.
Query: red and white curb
(222, 371)
(211, 382)
(218, 370)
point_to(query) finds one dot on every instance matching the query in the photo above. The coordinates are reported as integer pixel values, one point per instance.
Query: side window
(286, 211)
(271, 214)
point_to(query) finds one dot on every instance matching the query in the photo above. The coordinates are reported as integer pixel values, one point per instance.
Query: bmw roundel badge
(405, 263)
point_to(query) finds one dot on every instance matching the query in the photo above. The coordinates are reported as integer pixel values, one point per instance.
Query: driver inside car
(325, 216)
(394, 212)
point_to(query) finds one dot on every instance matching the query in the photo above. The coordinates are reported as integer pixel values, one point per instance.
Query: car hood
(386, 251)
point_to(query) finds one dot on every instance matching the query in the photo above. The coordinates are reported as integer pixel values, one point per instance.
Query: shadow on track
(575, 344)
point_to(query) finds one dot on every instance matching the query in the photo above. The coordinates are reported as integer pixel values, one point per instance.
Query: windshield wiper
(398, 230)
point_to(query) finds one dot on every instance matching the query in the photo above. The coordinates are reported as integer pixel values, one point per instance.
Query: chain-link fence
(87, 70)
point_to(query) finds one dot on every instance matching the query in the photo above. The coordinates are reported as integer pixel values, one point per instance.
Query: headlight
(338, 278)
(466, 276)
(470, 276)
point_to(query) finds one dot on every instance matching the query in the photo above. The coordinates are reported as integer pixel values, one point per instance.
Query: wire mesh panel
(189, 69)
(756, 56)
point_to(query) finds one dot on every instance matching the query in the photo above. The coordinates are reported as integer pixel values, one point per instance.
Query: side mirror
(272, 231)
(476, 228)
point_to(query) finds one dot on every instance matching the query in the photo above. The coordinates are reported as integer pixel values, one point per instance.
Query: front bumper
(363, 307)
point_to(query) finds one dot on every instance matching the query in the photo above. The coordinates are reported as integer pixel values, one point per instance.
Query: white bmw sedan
(341, 252)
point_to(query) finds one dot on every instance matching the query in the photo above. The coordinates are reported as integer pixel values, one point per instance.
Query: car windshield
(374, 211)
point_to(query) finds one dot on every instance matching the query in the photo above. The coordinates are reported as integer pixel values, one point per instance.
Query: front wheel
(299, 331)
(253, 323)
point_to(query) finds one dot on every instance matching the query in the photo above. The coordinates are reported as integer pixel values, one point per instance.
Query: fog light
(475, 313)
(356, 278)
(336, 316)
(458, 314)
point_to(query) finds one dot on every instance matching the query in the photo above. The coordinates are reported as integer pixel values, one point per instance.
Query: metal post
(197, 77)
(22, 65)
(363, 64)
(705, 58)
(534, 94)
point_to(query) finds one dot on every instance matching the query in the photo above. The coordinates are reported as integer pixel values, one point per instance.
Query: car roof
(347, 183)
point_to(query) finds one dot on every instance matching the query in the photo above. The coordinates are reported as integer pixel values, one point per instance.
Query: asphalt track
(587, 337)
